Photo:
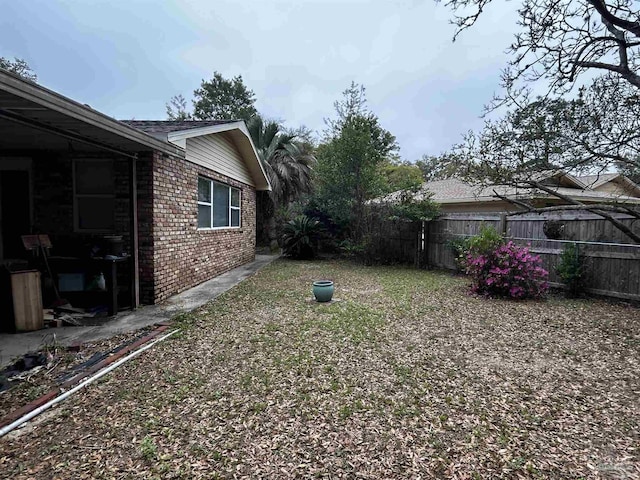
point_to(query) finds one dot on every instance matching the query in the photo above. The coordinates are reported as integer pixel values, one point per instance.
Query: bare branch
(598, 210)
(559, 39)
(552, 192)
(515, 201)
(570, 208)
(601, 8)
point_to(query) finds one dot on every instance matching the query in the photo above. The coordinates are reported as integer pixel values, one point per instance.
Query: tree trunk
(272, 233)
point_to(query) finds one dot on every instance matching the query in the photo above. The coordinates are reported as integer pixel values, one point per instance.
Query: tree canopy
(288, 160)
(177, 108)
(19, 67)
(216, 99)
(354, 149)
(558, 41)
(441, 167)
(592, 133)
(401, 176)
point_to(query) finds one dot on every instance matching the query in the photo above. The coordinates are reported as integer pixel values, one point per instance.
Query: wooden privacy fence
(585, 227)
(613, 267)
(394, 241)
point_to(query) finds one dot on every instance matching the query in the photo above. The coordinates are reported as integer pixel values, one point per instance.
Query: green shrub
(352, 249)
(572, 269)
(299, 237)
(486, 242)
(410, 209)
(283, 215)
(460, 247)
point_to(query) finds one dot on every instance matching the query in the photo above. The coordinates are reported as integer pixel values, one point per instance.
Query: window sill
(220, 230)
(94, 232)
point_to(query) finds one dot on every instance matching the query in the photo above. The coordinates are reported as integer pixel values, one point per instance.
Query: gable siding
(616, 189)
(216, 152)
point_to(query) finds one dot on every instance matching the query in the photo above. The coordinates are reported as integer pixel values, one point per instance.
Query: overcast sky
(127, 58)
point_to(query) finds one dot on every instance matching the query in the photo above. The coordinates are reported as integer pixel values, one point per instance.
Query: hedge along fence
(613, 268)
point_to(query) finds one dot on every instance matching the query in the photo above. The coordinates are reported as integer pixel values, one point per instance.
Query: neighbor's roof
(451, 188)
(563, 179)
(178, 131)
(594, 181)
(454, 190)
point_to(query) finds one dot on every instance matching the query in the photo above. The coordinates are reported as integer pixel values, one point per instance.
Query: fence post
(418, 246)
(426, 233)
(503, 224)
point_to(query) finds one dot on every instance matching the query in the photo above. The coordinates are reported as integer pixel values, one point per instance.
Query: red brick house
(180, 194)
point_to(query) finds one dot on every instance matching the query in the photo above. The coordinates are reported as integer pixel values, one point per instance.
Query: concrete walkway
(16, 345)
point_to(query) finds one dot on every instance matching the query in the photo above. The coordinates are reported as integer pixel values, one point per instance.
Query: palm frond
(287, 162)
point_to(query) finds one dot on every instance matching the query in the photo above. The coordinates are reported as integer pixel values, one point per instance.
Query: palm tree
(288, 162)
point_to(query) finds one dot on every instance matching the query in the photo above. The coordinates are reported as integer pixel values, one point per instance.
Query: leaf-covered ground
(62, 365)
(406, 376)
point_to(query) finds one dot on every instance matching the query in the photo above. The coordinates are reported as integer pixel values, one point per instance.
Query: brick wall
(173, 254)
(184, 256)
(144, 174)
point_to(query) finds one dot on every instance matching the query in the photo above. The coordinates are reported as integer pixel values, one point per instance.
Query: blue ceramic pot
(323, 290)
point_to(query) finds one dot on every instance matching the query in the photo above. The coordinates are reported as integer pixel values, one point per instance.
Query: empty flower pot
(323, 290)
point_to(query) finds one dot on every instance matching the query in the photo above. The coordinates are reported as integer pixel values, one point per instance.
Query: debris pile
(67, 315)
(24, 368)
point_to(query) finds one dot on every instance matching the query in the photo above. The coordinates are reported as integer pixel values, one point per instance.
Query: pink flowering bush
(507, 271)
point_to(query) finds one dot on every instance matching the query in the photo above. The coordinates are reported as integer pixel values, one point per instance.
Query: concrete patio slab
(16, 345)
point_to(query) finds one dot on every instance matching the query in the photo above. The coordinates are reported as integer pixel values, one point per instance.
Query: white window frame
(211, 205)
(76, 210)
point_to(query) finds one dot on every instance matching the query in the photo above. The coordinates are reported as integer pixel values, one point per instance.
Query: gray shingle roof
(155, 127)
(454, 190)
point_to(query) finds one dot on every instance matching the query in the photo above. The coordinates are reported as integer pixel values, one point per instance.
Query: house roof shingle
(155, 127)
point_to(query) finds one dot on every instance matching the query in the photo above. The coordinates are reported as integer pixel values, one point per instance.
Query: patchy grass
(406, 376)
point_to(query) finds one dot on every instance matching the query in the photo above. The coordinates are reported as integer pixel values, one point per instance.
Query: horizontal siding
(218, 154)
(616, 189)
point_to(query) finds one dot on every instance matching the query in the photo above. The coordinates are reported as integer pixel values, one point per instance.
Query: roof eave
(466, 200)
(36, 93)
(545, 196)
(573, 179)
